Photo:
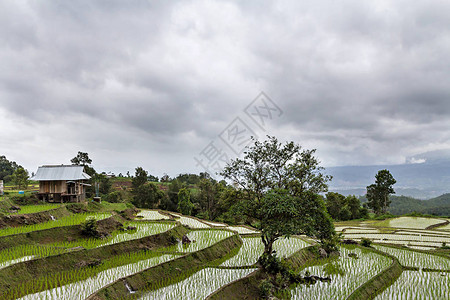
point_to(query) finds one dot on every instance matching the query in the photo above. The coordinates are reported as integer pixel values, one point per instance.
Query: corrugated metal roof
(60, 172)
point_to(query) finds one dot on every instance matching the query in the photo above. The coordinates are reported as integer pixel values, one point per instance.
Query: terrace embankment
(380, 282)
(57, 234)
(248, 287)
(5, 205)
(108, 225)
(245, 288)
(34, 218)
(168, 273)
(16, 274)
(303, 256)
(129, 213)
(436, 226)
(441, 251)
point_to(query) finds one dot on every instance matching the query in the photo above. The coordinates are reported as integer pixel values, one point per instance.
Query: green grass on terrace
(29, 209)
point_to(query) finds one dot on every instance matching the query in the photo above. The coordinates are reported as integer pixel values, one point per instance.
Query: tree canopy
(20, 178)
(281, 183)
(7, 168)
(140, 177)
(82, 159)
(104, 183)
(269, 165)
(344, 208)
(185, 205)
(282, 214)
(147, 196)
(209, 190)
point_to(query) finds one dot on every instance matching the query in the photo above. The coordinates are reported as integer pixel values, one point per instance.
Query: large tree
(7, 168)
(378, 193)
(144, 196)
(170, 202)
(140, 177)
(335, 202)
(20, 178)
(281, 183)
(147, 196)
(208, 197)
(188, 178)
(82, 159)
(185, 205)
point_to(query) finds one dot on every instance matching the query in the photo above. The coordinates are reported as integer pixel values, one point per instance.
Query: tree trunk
(268, 244)
(268, 248)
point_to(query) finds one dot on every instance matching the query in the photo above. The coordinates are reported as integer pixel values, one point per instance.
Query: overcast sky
(157, 83)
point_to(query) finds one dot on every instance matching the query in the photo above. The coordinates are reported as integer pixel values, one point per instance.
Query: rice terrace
(67, 234)
(149, 260)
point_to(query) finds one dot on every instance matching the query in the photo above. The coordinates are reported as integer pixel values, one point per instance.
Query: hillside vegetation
(400, 205)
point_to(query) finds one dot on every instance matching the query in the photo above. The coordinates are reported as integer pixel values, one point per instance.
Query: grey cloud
(366, 82)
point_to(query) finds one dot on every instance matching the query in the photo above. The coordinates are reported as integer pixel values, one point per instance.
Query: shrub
(89, 228)
(113, 197)
(444, 246)
(384, 217)
(280, 275)
(363, 213)
(203, 215)
(366, 242)
(271, 264)
(265, 288)
(330, 244)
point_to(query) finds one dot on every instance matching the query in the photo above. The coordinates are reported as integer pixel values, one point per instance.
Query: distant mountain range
(424, 176)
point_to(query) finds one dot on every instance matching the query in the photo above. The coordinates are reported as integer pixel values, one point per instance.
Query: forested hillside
(439, 206)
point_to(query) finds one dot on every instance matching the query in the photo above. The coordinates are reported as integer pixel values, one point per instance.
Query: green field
(219, 258)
